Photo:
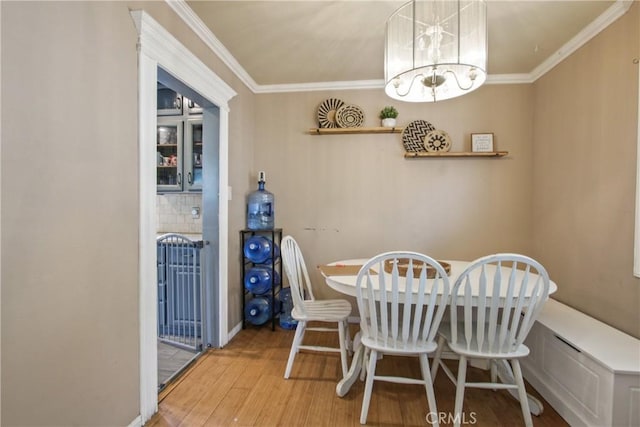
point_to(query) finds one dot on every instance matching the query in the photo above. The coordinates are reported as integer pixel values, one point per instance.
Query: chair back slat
(505, 313)
(297, 274)
(507, 308)
(495, 304)
(393, 333)
(417, 332)
(371, 309)
(401, 311)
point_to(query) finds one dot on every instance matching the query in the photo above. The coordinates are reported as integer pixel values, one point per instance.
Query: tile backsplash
(173, 212)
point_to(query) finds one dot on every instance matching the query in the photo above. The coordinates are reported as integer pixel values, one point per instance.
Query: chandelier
(436, 50)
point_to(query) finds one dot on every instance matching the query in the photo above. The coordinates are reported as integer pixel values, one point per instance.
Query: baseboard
(137, 422)
(235, 331)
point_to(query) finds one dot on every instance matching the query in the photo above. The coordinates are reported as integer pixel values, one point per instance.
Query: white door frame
(157, 47)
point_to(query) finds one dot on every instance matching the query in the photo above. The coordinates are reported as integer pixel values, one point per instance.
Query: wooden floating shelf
(423, 154)
(338, 131)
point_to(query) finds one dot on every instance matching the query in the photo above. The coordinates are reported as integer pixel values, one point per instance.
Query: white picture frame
(481, 142)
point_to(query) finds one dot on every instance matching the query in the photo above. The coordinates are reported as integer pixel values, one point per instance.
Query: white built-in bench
(588, 371)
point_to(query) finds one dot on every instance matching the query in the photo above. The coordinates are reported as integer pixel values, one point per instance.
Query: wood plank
(422, 154)
(361, 130)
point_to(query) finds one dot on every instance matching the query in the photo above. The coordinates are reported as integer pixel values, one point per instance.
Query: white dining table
(342, 275)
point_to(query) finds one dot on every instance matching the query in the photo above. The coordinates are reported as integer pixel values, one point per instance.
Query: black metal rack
(276, 266)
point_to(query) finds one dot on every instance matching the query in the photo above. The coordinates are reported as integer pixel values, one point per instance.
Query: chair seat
(485, 352)
(327, 310)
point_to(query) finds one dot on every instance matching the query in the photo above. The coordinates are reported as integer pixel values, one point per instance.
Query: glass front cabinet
(193, 155)
(179, 158)
(169, 155)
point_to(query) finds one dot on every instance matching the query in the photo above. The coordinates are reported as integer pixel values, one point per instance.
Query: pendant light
(436, 50)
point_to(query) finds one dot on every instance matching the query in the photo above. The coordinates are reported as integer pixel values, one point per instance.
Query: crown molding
(615, 11)
(508, 79)
(317, 86)
(182, 9)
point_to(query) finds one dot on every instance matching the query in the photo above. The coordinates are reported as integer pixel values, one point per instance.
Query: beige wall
(70, 330)
(347, 196)
(585, 136)
(69, 218)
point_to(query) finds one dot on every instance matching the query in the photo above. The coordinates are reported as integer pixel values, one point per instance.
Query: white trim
(636, 240)
(157, 47)
(182, 9)
(508, 79)
(235, 331)
(137, 422)
(148, 293)
(309, 87)
(614, 12)
(223, 227)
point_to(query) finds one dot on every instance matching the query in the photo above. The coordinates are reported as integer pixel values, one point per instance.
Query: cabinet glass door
(191, 106)
(169, 155)
(169, 102)
(193, 160)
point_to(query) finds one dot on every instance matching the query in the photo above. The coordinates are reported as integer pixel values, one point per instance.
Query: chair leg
(522, 393)
(349, 343)
(343, 347)
(297, 340)
(365, 363)
(435, 363)
(368, 387)
(494, 371)
(428, 385)
(460, 385)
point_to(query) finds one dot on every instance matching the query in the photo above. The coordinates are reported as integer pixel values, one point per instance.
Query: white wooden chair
(399, 322)
(307, 309)
(512, 289)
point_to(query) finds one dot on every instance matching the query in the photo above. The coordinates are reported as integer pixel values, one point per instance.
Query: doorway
(158, 48)
(188, 144)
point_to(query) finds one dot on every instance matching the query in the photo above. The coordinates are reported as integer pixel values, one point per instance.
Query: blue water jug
(257, 249)
(286, 321)
(258, 310)
(261, 207)
(259, 279)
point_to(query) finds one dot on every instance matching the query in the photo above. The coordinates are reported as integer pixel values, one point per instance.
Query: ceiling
(310, 42)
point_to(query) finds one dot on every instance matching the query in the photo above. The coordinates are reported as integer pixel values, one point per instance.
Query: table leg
(506, 376)
(345, 384)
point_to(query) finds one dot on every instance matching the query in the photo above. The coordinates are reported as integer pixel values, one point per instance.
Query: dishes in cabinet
(327, 112)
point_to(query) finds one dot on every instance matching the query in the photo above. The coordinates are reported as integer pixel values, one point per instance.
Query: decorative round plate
(437, 141)
(350, 116)
(327, 112)
(413, 135)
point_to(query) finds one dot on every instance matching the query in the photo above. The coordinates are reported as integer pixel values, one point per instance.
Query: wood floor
(243, 385)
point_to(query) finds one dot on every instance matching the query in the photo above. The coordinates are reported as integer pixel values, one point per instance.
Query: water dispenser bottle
(257, 249)
(259, 279)
(260, 207)
(286, 321)
(258, 310)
